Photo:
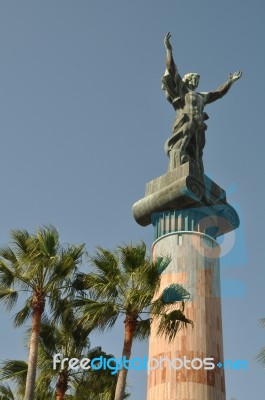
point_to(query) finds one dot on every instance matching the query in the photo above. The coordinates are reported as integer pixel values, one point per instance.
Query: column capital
(185, 194)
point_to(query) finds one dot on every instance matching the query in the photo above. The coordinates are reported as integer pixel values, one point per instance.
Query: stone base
(184, 188)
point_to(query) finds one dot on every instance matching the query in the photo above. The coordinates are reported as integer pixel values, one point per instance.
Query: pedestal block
(184, 188)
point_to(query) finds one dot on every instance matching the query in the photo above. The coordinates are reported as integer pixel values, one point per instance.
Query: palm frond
(21, 242)
(14, 370)
(169, 324)
(136, 299)
(69, 258)
(97, 315)
(46, 378)
(172, 294)
(61, 308)
(151, 273)
(8, 254)
(262, 322)
(79, 283)
(161, 263)
(48, 240)
(24, 313)
(132, 257)
(63, 267)
(8, 297)
(7, 276)
(175, 292)
(6, 392)
(105, 262)
(76, 252)
(100, 286)
(261, 356)
(142, 330)
(97, 385)
(49, 336)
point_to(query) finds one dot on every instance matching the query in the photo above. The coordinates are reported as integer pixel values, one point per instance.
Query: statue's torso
(193, 103)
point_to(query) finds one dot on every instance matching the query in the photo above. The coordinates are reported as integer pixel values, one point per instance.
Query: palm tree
(125, 282)
(261, 354)
(39, 267)
(70, 341)
(81, 385)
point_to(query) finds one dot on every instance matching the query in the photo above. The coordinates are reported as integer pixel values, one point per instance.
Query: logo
(144, 364)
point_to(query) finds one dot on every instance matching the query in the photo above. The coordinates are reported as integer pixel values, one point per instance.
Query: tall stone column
(188, 213)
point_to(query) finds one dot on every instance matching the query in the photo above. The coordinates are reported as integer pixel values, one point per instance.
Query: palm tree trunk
(38, 303)
(62, 385)
(130, 325)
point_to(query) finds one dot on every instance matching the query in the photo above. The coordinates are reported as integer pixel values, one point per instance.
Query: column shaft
(195, 265)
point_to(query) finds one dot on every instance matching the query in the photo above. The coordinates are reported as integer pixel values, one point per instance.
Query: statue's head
(192, 80)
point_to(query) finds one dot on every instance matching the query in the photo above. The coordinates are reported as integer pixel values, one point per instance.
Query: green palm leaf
(6, 393)
(174, 293)
(15, 371)
(8, 297)
(261, 354)
(169, 324)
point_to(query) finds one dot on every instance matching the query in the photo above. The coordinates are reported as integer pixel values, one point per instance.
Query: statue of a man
(188, 136)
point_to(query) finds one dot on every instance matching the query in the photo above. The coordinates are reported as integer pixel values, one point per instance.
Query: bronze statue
(188, 136)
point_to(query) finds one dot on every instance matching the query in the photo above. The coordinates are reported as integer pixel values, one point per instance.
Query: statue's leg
(189, 129)
(200, 143)
(175, 156)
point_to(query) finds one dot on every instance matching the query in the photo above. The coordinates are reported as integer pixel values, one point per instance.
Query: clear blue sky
(83, 125)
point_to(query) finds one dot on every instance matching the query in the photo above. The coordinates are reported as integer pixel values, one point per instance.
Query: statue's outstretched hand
(235, 76)
(167, 42)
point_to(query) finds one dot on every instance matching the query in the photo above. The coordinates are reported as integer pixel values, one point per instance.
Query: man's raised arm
(170, 64)
(171, 81)
(223, 89)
